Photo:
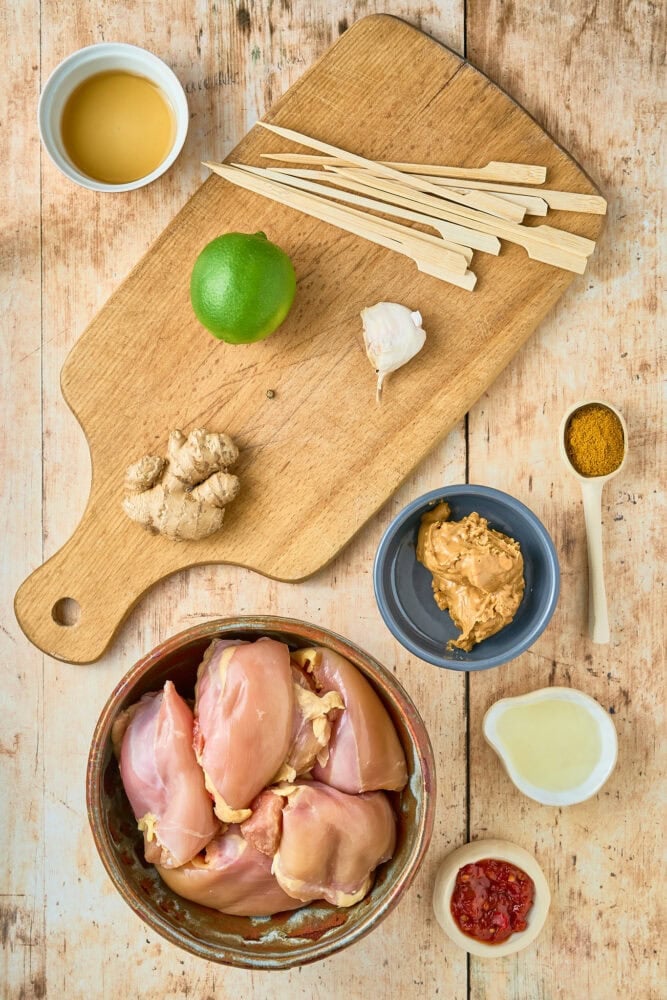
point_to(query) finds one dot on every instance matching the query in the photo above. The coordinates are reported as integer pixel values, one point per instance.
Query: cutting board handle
(71, 606)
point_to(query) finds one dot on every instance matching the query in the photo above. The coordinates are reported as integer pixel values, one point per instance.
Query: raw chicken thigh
(293, 751)
(311, 727)
(233, 877)
(162, 779)
(332, 842)
(365, 753)
(244, 706)
(264, 828)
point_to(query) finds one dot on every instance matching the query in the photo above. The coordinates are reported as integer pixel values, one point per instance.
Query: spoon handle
(598, 620)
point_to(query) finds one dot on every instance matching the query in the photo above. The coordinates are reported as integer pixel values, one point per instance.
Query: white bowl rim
(608, 737)
(177, 100)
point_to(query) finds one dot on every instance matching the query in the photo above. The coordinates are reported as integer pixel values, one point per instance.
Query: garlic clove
(393, 335)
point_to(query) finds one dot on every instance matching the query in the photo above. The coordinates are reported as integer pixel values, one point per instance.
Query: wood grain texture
(320, 457)
(22, 921)
(592, 81)
(606, 344)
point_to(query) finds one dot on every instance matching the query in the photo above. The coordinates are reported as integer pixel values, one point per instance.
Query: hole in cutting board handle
(66, 612)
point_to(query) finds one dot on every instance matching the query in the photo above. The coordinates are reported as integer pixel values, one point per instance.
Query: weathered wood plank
(595, 86)
(22, 929)
(90, 243)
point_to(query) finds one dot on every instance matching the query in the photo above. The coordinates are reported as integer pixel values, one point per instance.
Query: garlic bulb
(392, 336)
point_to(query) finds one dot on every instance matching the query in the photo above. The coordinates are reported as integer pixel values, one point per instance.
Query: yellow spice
(594, 440)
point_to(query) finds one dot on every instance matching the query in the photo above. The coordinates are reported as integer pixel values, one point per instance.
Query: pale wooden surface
(323, 429)
(591, 74)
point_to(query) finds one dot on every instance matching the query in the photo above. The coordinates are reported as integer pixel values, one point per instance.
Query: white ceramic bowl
(501, 850)
(99, 59)
(601, 771)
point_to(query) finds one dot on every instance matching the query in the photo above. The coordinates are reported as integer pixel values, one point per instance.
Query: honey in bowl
(117, 127)
(558, 745)
(554, 745)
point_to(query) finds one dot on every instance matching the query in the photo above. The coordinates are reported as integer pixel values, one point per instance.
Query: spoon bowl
(591, 492)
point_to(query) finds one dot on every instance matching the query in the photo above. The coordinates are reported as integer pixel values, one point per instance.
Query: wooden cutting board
(320, 457)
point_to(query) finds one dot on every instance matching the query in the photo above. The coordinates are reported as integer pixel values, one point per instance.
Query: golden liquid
(553, 744)
(117, 127)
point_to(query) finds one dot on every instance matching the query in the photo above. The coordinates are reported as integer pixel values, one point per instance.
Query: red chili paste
(491, 900)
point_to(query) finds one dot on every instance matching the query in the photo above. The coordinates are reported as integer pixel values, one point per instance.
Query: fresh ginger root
(184, 495)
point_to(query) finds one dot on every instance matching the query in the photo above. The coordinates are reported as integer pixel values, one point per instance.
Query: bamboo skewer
(543, 243)
(407, 235)
(476, 200)
(542, 233)
(460, 234)
(516, 173)
(411, 239)
(304, 184)
(562, 201)
(386, 190)
(439, 262)
(533, 206)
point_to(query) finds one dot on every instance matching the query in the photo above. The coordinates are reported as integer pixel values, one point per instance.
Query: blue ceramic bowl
(403, 586)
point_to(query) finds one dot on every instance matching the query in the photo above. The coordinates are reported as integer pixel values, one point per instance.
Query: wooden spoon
(591, 491)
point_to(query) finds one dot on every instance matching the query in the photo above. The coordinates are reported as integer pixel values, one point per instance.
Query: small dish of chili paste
(491, 898)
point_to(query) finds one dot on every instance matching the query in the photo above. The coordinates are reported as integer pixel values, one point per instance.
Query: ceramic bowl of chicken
(261, 791)
(404, 586)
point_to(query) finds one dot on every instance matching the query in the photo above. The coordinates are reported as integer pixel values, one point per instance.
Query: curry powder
(594, 440)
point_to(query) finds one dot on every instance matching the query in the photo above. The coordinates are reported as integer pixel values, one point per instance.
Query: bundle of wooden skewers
(470, 209)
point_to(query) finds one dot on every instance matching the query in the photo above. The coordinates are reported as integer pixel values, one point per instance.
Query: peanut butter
(477, 573)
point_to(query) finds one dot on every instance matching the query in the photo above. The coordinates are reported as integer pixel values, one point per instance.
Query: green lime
(242, 287)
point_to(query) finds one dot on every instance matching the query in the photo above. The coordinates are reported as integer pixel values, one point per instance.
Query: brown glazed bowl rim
(311, 947)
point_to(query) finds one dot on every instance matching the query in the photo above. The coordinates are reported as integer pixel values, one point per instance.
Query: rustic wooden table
(590, 74)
